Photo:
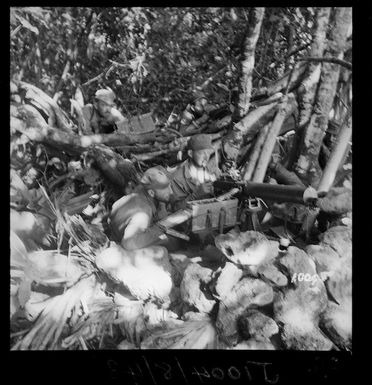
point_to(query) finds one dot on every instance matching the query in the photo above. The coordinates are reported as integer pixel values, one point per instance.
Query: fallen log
(336, 157)
(252, 161)
(35, 96)
(114, 167)
(255, 119)
(286, 108)
(74, 144)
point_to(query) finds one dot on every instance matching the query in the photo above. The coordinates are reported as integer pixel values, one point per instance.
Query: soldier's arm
(137, 224)
(117, 116)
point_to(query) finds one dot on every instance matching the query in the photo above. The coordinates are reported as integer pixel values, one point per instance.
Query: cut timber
(75, 144)
(246, 129)
(336, 157)
(252, 161)
(114, 167)
(283, 176)
(286, 108)
(255, 119)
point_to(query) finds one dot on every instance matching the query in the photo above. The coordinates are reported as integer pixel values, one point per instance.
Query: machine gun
(251, 195)
(272, 192)
(222, 211)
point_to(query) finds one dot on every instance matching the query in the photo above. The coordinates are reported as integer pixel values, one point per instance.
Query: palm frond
(47, 330)
(88, 240)
(101, 317)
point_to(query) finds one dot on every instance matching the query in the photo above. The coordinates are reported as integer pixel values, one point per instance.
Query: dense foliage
(153, 58)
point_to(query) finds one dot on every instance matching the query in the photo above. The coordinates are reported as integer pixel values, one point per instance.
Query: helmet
(156, 177)
(200, 142)
(105, 95)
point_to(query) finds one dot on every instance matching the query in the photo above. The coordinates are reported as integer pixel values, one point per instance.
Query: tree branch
(343, 63)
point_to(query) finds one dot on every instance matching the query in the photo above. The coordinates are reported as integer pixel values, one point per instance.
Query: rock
(247, 292)
(298, 311)
(336, 322)
(311, 299)
(256, 325)
(146, 273)
(126, 345)
(296, 261)
(229, 277)
(153, 315)
(337, 201)
(212, 257)
(177, 305)
(303, 334)
(246, 248)
(271, 273)
(340, 239)
(253, 344)
(336, 269)
(193, 316)
(179, 263)
(326, 259)
(339, 284)
(195, 278)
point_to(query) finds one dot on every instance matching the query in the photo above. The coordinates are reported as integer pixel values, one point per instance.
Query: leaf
(27, 24)
(18, 255)
(79, 97)
(223, 86)
(92, 177)
(24, 292)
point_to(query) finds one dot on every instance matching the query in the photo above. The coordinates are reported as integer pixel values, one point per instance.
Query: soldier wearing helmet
(194, 178)
(102, 117)
(133, 214)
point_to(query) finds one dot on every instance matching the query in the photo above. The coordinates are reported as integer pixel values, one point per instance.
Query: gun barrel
(274, 192)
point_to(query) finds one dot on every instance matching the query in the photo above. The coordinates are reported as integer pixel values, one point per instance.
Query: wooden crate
(201, 208)
(137, 125)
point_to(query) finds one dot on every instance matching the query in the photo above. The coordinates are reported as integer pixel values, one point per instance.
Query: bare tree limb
(334, 60)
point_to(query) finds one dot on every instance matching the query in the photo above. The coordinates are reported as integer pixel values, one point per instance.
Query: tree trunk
(336, 157)
(287, 107)
(247, 129)
(252, 161)
(307, 166)
(313, 71)
(254, 27)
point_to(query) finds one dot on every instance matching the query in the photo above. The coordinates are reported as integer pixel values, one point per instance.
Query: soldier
(102, 117)
(133, 214)
(194, 178)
